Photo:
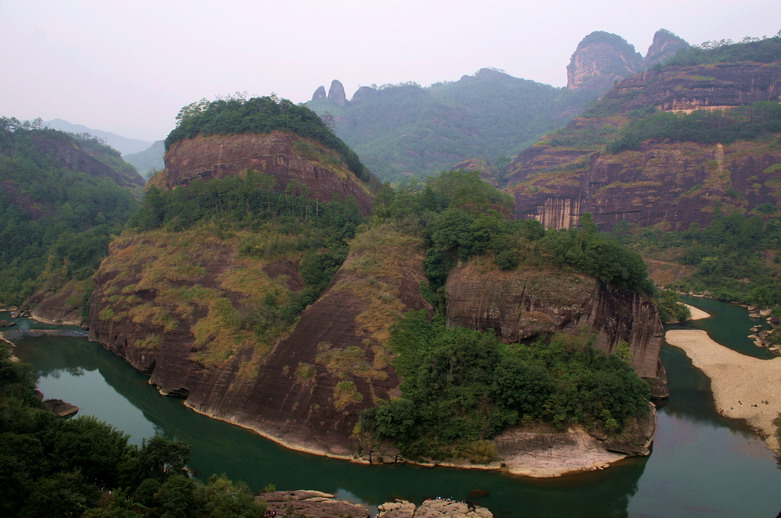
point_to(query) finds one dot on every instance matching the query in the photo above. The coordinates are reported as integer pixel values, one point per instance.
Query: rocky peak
(665, 45)
(600, 60)
(336, 93)
(319, 94)
(363, 93)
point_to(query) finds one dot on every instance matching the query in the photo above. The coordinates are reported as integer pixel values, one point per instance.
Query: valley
(410, 279)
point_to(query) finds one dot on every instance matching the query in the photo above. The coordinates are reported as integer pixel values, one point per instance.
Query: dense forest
(56, 221)
(762, 50)
(50, 466)
(750, 122)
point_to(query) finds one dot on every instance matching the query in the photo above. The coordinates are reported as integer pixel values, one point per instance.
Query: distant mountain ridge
(122, 144)
(405, 130)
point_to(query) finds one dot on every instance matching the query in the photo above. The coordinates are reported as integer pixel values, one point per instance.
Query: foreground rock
(311, 504)
(432, 508)
(60, 407)
(743, 387)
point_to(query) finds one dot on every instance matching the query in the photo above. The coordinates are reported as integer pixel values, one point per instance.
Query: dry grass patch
(346, 393)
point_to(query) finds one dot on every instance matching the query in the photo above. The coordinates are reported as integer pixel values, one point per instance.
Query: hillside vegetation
(57, 220)
(407, 130)
(462, 387)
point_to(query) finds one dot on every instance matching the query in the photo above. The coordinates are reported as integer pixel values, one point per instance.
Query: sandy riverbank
(743, 387)
(697, 313)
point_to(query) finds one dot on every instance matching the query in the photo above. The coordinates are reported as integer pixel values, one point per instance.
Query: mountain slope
(61, 197)
(124, 145)
(668, 146)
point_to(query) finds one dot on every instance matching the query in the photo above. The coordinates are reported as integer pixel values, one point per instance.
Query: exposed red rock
(284, 155)
(307, 390)
(522, 304)
(664, 46)
(664, 181)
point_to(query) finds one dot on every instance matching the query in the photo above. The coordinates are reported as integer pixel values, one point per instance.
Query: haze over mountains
(406, 130)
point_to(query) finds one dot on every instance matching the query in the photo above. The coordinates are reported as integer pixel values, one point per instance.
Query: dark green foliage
(750, 122)
(597, 254)
(55, 467)
(51, 218)
(762, 51)
(729, 256)
(461, 386)
(670, 306)
(97, 148)
(463, 217)
(260, 115)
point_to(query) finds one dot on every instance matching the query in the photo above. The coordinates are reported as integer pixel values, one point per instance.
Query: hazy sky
(128, 67)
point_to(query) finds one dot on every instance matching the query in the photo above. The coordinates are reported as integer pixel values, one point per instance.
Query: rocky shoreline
(316, 504)
(540, 452)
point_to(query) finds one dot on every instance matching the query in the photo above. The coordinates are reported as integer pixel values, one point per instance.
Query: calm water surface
(702, 464)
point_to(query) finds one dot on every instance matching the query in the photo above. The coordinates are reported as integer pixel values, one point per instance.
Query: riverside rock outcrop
(289, 158)
(307, 388)
(522, 304)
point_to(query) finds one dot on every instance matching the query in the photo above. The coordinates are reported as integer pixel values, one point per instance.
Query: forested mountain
(405, 130)
(149, 160)
(259, 282)
(61, 198)
(691, 144)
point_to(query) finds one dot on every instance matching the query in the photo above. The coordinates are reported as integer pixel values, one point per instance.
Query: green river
(702, 464)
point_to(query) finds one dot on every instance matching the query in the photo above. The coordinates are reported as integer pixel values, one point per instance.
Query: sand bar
(697, 313)
(743, 387)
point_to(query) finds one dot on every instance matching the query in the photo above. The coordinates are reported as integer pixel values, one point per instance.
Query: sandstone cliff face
(664, 181)
(600, 60)
(306, 388)
(522, 304)
(681, 88)
(676, 183)
(284, 155)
